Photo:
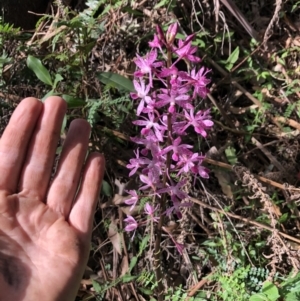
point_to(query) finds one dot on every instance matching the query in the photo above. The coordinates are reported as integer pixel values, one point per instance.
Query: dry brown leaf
(124, 265)
(224, 181)
(119, 199)
(114, 236)
(141, 298)
(126, 210)
(171, 226)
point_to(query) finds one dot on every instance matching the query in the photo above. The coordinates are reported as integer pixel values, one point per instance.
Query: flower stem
(162, 201)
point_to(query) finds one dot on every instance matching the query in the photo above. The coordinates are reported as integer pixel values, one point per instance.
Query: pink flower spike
(189, 38)
(156, 43)
(201, 170)
(176, 207)
(136, 163)
(177, 148)
(201, 121)
(133, 200)
(174, 97)
(187, 162)
(149, 181)
(150, 210)
(174, 191)
(146, 64)
(201, 81)
(142, 93)
(173, 71)
(185, 50)
(150, 143)
(150, 123)
(131, 224)
(160, 34)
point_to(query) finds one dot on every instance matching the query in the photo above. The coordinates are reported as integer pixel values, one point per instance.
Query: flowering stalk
(166, 111)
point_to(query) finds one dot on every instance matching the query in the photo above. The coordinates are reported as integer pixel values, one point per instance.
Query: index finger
(14, 142)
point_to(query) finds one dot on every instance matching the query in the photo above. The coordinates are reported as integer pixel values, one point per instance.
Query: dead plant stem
(246, 220)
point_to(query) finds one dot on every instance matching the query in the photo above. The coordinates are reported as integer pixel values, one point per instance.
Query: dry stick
(272, 159)
(235, 83)
(228, 120)
(230, 167)
(244, 59)
(189, 265)
(217, 11)
(196, 288)
(196, 219)
(262, 179)
(292, 123)
(254, 34)
(244, 219)
(240, 17)
(273, 21)
(227, 74)
(113, 132)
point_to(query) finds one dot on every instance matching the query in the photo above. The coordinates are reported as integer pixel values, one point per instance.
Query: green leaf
(160, 4)
(106, 9)
(133, 262)
(258, 297)
(231, 155)
(64, 124)
(283, 218)
(229, 66)
(143, 244)
(116, 80)
(295, 6)
(69, 24)
(128, 278)
(39, 69)
(270, 290)
(211, 243)
(57, 79)
(233, 58)
(146, 291)
(73, 102)
(97, 287)
(87, 48)
(106, 189)
(58, 150)
(292, 297)
(200, 43)
(134, 12)
(50, 93)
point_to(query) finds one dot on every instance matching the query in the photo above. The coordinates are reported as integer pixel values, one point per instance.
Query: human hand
(45, 230)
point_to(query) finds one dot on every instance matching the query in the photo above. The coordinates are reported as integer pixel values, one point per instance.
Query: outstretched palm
(45, 229)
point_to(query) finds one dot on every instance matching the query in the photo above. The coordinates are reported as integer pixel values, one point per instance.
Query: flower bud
(160, 34)
(171, 33)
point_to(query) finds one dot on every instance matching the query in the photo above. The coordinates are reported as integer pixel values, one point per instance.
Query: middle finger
(40, 157)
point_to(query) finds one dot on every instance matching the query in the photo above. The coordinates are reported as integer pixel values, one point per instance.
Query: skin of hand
(45, 228)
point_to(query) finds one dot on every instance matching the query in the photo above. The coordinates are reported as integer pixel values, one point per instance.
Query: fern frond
(289, 110)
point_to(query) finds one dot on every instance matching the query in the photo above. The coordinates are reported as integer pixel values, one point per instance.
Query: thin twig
(246, 220)
(241, 18)
(262, 179)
